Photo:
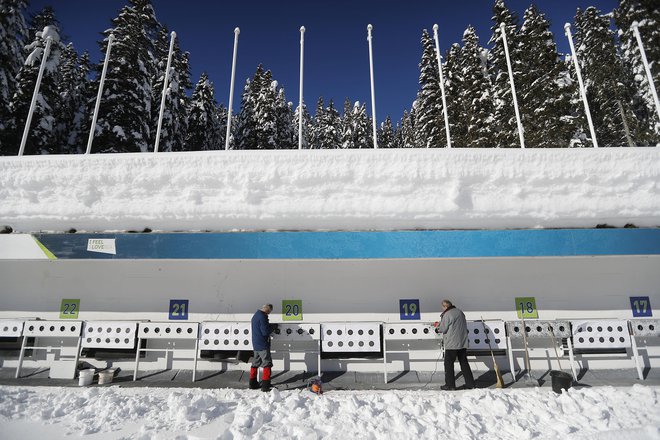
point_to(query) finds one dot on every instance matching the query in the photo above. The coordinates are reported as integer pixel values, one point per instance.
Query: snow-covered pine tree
(476, 100)
(175, 116)
(361, 127)
(430, 127)
(544, 95)
(245, 137)
(37, 23)
(602, 70)
(205, 129)
(284, 122)
(346, 139)
(386, 138)
(505, 127)
(406, 132)
(74, 90)
(454, 90)
(42, 137)
(125, 116)
(265, 118)
(328, 127)
(307, 125)
(318, 126)
(647, 14)
(13, 32)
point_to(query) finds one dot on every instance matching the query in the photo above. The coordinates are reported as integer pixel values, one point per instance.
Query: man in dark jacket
(261, 330)
(453, 326)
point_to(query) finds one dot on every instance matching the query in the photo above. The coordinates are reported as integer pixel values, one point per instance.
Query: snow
(162, 413)
(381, 189)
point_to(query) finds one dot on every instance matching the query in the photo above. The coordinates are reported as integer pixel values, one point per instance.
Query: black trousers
(450, 358)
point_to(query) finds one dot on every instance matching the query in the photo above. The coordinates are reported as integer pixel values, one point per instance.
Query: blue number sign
(409, 309)
(179, 309)
(641, 306)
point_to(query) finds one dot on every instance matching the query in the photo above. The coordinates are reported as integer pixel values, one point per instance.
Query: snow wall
(332, 190)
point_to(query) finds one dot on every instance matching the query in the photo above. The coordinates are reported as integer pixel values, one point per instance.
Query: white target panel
(225, 336)
(600, 334)
(492, 336)
(539, 329)
(109, 334)
(168, 330)
(410, 331)
(11, 328)
(297, 332)
(354, 336)
(64, 329)
(645, 327)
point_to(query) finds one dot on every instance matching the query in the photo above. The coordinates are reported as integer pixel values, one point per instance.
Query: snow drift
(332, 190)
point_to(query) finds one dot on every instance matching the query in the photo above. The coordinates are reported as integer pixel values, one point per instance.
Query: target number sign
(179, 309)
(69, 309)
(292, 310)
(409, 309)
(641, 306)
(526, 307)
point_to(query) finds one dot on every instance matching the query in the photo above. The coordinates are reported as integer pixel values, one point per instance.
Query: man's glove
(436, 323)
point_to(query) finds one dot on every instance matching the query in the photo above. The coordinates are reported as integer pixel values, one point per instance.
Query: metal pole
(300, 102)
(33, 104)
(165, 85)
(231, 88)
(567, 29)
(373, 93)
(635, 28)
(99, 94)
(442, 84)
(513, 86)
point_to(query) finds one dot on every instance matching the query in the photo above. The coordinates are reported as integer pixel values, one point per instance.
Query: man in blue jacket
(261, 330)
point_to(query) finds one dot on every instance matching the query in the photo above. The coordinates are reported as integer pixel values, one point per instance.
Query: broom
(498, 375)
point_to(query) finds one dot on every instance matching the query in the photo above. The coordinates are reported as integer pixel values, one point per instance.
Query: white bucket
(106, 376)
(85, 377)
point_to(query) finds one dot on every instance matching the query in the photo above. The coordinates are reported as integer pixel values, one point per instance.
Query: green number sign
(526, 307)
(69, 309)
(292, 310)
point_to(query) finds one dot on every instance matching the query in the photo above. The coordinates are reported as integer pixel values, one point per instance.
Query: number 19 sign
(408, 309)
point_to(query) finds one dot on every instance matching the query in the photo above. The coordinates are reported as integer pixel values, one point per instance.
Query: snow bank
(332, 190)
(145, 413)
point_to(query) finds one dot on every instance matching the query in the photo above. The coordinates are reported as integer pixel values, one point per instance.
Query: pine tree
(386, 138)
(284, 123)
(175, 117)
(406, 131)
(45, 17)
(204, 124)
(328, 130)
(307, 126)
(602, 70)
(42, 135)
(318, 125)
(429, 131)
(454, 89)
(265, 116)
(13, 31)
(476, 100)
(506, 134)
(246, 127)
(346, 138)
(543, 92)
(125, 116)
(647, 14)
(74, 91)
(361, 127)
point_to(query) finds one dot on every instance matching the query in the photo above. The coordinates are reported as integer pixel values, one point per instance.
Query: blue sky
(336, 48)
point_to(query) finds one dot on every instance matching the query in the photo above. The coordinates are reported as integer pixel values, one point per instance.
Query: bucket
(106, 376)
(85, 377)
(560, 381)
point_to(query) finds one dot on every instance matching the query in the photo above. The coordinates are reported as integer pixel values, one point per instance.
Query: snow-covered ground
(157, 413)
(332, 190)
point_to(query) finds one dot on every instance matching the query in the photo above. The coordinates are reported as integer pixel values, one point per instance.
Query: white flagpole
(99, 94)
(442, 84)
(33, 103)
(231, 87)
(635, 28)
(165, 85)
(373, 93)
(513, 86)
(300, 102)
(567, 29)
